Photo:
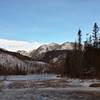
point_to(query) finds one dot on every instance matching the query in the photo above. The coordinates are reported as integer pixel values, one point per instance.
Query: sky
(45, 21)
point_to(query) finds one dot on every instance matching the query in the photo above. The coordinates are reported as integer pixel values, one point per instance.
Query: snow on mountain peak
(49, 47)
(67, 45)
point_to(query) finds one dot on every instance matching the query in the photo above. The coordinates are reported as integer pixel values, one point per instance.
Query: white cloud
(14, 45)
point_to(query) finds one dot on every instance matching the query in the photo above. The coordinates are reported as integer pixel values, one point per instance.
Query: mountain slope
(14, 63)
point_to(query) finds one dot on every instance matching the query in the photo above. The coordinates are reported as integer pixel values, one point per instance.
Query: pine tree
(79, 40)
(90, 39)
(94, 35)
(75, 46)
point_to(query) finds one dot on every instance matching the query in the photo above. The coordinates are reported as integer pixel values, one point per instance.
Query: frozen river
(36, 77)
(47, 87)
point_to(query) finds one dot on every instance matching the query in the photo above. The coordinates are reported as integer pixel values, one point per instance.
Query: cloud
(13, 45)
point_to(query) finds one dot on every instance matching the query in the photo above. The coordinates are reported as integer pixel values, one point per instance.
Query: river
(47, 87)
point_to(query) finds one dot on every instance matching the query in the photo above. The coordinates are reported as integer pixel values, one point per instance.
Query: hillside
(15, 63)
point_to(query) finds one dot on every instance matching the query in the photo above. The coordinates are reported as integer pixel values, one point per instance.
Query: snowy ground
(47, 87)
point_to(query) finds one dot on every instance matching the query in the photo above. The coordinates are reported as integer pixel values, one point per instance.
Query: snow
(66, 45)
(47, 87)
(35, 77)
(53, 44)
(6, 83)
(81, 89)
(43, 49)
(84, 83)
(46, 94)
(55, 60)
(46, 48)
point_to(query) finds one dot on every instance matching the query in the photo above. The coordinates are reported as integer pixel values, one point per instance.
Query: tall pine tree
(79, 40)
(94, 35)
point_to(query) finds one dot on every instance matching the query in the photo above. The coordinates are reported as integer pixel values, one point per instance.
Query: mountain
(46, 48)
(15, 63)
(53, 54)
(67, 46)
(37, 61)
(25, 53)
(53, 46)
(50, 51)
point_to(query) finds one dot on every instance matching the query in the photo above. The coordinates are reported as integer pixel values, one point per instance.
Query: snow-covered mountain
(51, 47)
(67, 46)
(46, 48)
(51, 50)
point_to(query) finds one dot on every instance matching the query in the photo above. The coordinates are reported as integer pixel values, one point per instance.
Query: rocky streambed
(47, 87)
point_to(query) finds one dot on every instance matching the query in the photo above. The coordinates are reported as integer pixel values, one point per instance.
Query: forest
(84, 60)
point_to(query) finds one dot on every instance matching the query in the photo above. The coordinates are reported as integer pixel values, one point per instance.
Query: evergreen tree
(94, 35)
(75, 46)
(90, 39)
(79, 40)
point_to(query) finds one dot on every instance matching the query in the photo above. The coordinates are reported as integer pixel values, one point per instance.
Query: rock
(94, 85)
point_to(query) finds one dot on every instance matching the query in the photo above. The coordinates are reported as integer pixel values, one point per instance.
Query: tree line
(83, 60)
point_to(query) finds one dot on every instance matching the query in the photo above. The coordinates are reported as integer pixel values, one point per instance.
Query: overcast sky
(46, 21)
